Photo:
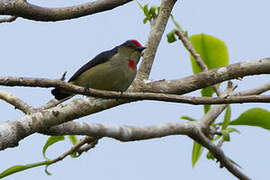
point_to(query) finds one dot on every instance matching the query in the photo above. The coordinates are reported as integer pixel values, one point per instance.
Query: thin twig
(255, 91)
(51, 103)
(78, 147)
(88, 146)
(197, 57)
(198, 136)
(215, 111)
(220, 143)
(16, 102)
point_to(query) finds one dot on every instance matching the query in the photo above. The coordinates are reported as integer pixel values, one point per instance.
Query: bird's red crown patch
(136, 42)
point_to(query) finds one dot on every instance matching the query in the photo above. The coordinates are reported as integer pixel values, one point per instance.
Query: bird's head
(134, 45)
(133, 49)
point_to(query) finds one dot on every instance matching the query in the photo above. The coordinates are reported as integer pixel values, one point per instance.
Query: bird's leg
(120, 95)
(86, 88)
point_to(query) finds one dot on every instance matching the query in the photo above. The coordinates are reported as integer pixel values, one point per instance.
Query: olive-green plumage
(112, 70)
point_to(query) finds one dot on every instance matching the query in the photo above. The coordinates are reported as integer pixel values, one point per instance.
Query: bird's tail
(59, 94)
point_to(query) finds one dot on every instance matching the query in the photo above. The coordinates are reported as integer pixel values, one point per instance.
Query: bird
(111, 70)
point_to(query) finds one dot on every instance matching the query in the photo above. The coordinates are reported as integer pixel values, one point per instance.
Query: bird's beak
(140, 48)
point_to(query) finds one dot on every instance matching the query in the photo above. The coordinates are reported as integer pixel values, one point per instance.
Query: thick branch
(122, 133)
(131, 133)
(137, 96)
(11, 132)
(208, 78)
(179, 86)
(21, 8)
(157, 30)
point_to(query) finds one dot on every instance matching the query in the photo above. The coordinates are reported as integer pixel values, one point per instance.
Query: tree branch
(21, 8)
(190, 48)
(13, 132)
(16, 102)
(78, 147)
(131, 133)
(258, 90)
(179, 86)
(157, 30)
(198, 136)
(207, 78)
(214, 112)
(121, 132)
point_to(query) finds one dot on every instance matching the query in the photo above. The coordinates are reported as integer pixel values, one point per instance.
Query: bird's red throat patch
(131, 64)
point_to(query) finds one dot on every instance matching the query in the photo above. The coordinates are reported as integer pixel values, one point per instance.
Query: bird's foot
(120, 95)
(86, 89)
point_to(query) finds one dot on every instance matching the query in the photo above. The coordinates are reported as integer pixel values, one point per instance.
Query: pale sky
(46, 50)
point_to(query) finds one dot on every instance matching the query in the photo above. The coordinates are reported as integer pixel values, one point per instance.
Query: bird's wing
(99, 59)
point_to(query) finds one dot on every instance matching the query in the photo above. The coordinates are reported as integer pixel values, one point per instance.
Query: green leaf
(226, 133)
(145, 20)
(227, 118)
(216, 138)
(206, 108)
(75, 155)
(186, 34)
(208, 92)
(140, 5)
(73, 139)
(196, 152)
(176, 23)
(233, 162)
(212, 50)
(171, 36)
(188, 118)
(210, 156)
(254, 117)
(229, 130)
(51, 140)
(152, 11)
(145, 11)
(46, 170)
(226, 136)
(19, 168)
